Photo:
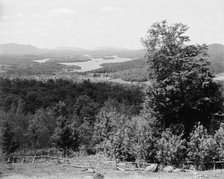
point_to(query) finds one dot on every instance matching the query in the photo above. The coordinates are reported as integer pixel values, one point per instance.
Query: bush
(141, 139)
(219, 138)
(171, 148)
(202, 147)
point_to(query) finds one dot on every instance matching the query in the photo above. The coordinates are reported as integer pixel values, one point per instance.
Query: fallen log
(77, 166)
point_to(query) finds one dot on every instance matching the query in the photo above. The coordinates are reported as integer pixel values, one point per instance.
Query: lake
(219, 77)
(42, 61)
(95, 63)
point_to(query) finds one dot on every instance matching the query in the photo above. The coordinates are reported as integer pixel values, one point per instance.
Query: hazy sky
(94, 23)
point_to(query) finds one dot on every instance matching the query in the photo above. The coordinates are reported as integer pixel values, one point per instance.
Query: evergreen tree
(219, 138)
(141, 139)
(85, 110)
(63, 136)
(202, 147)
(40, 129)
(110, 131)
(171, 149)
(9, 144)
(20, 125)
(34, 132)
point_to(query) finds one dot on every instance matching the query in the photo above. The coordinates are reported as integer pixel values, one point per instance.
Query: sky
(96, 23)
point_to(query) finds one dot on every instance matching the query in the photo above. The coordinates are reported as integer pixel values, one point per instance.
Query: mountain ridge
(17, 49)
(8, 47)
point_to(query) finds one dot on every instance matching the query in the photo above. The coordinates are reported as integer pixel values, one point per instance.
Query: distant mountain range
(215, 51)
(18, 49)
(69, 49)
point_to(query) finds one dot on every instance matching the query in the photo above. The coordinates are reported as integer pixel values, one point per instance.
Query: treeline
(134, 70)
(115, 67)
(133, 74)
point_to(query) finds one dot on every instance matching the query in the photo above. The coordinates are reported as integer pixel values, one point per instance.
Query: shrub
(141, 139)
(202, 147)
(171, 148)
(219, 138)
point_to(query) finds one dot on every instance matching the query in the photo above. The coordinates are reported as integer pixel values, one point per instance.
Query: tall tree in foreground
(9, 143)
(63, 137)
(183, 90)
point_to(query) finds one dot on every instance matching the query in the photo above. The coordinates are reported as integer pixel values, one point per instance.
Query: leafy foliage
(63, 137)
(142, 139)
(183, 87)
(171, 148)
(134, 74)
(202, 146)
(110, 130)
(219, 138)
(9, 143)
(134, 70)
(43, 94)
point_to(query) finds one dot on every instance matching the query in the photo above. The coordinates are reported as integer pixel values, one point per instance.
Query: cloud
(61, 12)
(42, 31)
(99, 27)
(5, 18)
(113, 9)
(17, 23)
(3, 32)
(44, 34)
(12, 23)
(39, 16)
(19, 14)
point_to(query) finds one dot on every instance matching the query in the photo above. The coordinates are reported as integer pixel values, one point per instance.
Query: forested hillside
(28, 105)
(178, 118)
(37, 94)
(134, 70)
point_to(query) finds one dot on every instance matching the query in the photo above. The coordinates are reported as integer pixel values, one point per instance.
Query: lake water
(219, 77)
(42, 61)
(95, 63)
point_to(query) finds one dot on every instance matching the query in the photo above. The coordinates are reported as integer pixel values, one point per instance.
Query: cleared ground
(63, 171)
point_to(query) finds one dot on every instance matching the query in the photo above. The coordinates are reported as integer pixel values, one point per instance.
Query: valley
(67, 103)
(111, 89)
(126, 65)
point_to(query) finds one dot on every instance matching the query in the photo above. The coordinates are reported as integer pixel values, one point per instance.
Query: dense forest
(134, 70)
(38, 94)
(178, 118)
(38, 106)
